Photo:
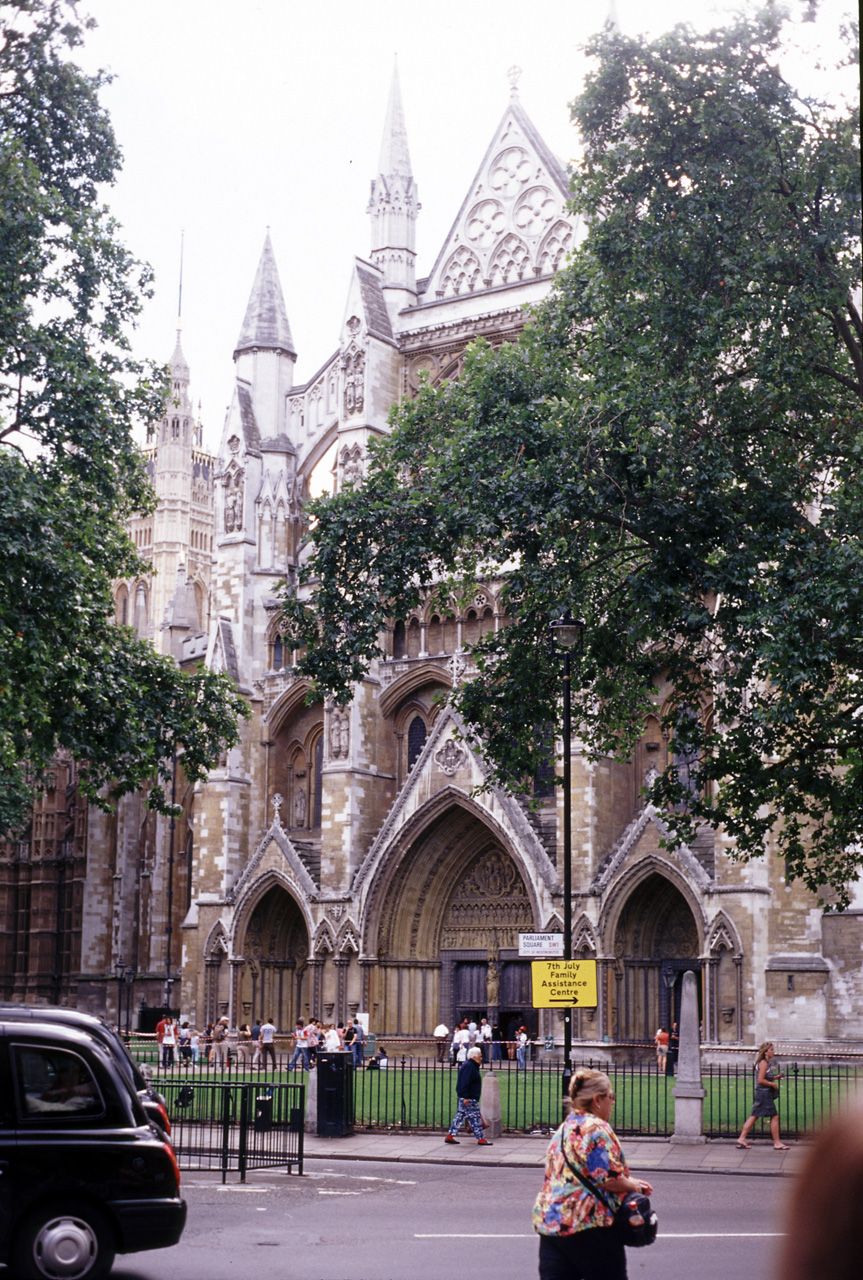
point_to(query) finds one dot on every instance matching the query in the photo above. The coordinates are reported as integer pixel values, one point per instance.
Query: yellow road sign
(559, 984)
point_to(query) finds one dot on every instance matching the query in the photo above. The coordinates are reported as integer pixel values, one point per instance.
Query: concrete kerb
(528, 1152)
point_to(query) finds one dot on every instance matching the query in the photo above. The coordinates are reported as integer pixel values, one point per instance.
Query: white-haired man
(468, 1088)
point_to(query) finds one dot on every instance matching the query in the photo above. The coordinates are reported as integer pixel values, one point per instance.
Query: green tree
(70, 473)
(673, 450)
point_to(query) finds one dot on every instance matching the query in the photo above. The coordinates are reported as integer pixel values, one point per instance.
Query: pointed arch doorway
(274, 981)
(446, 930)
(655, 941)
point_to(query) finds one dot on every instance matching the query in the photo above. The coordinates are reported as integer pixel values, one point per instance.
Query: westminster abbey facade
(343, 859)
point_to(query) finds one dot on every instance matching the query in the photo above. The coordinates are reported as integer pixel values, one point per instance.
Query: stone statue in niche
(351, 464)
(492, 984)
(353, 380)
(650, 777)
(340, 730)
(233, 502)
(300, 807)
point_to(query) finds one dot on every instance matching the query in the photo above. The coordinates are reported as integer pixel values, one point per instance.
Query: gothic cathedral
(341, 860)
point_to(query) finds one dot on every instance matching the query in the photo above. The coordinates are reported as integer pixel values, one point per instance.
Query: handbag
(635, 1220)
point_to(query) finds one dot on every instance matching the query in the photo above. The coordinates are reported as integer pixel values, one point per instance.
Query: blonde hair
(762, 1050)
(585, 1085)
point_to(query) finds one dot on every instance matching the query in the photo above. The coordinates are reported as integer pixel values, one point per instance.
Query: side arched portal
(447, 931)
(655, 942)
(274, 981)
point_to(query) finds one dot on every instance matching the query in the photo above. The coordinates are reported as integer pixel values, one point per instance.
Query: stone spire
(393, 205)
(265, 325)
(265, 354)
(395, 157)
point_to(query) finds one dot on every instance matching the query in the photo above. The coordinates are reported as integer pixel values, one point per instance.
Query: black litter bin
(335, 1094)
(264, 1113)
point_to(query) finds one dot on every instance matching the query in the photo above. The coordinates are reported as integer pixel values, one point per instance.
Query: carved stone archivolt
(489, 907)
(656, 924)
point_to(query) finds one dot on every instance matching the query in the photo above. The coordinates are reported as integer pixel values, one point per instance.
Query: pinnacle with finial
(514, 75)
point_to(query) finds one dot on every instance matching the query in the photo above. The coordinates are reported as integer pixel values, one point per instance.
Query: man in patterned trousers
(468, 1088)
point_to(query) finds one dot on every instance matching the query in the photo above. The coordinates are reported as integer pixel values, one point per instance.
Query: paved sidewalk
(645, 1155)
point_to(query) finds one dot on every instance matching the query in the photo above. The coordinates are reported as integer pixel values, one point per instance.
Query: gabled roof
(265, 325)
(375, 312)
(513, 223)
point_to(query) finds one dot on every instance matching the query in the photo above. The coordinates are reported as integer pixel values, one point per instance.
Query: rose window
(535, 210)
(510, 171)
(485, 223)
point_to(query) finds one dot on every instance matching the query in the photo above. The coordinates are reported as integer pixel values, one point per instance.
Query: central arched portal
(275, 949)
(655, 942)
(448, 932)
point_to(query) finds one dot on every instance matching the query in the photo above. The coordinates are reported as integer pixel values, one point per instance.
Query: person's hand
(644, 1188)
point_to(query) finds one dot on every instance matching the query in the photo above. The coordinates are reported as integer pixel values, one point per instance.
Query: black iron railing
(235, 1125)
(418, 1093)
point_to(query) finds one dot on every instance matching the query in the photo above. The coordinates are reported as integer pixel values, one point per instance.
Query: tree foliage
(70, 473)
(673, 450)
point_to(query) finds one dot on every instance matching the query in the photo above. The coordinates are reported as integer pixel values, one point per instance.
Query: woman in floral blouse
(577, 1236)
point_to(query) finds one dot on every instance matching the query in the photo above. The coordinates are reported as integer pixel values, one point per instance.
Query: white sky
(235, 115)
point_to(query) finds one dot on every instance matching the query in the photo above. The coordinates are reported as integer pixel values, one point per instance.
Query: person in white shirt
(440, 1034)
(267, 1041)
(485, 1038)
(461, 1042)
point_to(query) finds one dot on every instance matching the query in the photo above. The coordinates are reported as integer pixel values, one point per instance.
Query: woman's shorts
(764, 1105)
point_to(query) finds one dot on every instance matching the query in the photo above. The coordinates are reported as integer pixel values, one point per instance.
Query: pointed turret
(178, 364)
(265, 352)
(393, 207)
(265, 324)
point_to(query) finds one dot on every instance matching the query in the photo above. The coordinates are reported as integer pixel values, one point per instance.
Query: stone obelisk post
(688, 1093)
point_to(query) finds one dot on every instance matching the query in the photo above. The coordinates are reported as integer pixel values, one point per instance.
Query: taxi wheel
(64, 1243)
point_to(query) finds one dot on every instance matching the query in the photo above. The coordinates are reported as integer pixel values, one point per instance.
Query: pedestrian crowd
(217, 1044)
(488, 1039)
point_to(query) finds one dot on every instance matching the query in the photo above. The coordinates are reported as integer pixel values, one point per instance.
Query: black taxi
(83, 1174)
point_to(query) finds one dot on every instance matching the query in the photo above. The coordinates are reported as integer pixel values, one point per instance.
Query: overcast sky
(236, 115)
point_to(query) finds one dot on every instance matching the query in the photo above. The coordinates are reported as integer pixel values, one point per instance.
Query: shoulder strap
(585, 1182)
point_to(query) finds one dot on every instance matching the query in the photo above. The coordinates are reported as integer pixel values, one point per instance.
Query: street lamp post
(119, 968)
(129, 976)
(170, 904)
(568, 633)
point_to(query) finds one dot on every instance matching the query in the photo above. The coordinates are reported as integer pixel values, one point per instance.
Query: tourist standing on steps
(468, 1087)
(764, 1106)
